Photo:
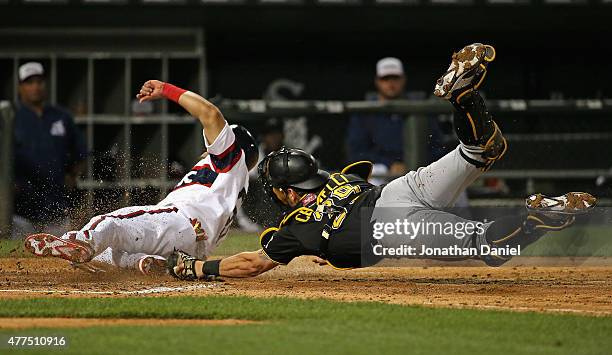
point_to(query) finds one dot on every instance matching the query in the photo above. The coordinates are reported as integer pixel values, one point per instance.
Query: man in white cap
(390, 80)
(379, 137)
(49, 154)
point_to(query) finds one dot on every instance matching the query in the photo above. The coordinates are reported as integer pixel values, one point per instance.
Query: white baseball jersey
(212, 191)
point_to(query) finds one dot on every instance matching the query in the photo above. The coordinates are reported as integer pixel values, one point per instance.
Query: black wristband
(211, 268)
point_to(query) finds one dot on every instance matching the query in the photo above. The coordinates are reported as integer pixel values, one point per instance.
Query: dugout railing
(181, 133)
(95, 74)
(6, 167)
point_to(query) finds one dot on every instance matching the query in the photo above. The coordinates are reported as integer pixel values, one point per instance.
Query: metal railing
(433, 106)
(6, 168)
(256, 110)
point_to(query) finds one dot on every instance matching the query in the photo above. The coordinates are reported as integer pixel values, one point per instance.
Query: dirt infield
(566, 285)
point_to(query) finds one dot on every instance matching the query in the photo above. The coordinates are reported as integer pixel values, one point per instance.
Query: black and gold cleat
(466, 72)
(557, 213)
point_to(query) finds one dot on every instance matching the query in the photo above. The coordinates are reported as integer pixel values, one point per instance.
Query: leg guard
(475, 127)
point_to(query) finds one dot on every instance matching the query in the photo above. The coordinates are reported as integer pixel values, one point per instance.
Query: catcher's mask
(289, 167)
(245, 140)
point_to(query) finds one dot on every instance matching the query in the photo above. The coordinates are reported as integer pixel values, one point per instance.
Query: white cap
(30, 69)
(389, 66)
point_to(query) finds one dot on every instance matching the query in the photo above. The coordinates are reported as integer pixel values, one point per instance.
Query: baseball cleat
(49, 245)
(557, 213)
(571, 203)
(466, 72)
(152, 265)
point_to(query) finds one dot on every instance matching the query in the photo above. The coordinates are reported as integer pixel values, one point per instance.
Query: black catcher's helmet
(288, 167)
(245, 140)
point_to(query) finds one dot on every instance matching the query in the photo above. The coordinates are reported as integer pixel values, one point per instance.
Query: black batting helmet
(245, 140)
(291, 168)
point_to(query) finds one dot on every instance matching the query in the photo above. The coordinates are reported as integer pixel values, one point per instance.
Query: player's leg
(439, 184)
(139, 229)
(542, 215)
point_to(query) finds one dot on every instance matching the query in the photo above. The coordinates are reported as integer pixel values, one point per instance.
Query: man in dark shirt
(379, 137)
(49, 155)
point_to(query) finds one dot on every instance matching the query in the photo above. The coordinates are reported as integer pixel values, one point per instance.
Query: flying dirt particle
(19, 266)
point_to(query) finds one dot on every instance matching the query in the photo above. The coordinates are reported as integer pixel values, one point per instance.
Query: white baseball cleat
(571, 203)
(49, 245)
(466, 72)
(152, 265)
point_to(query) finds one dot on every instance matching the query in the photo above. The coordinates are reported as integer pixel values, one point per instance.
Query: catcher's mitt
(182, 265)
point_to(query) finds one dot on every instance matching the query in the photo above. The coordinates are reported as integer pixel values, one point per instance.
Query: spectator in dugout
(49, 155)
(379, 137)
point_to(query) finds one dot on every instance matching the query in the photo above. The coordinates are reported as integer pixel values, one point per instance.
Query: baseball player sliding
(194, 217)
(327, 211)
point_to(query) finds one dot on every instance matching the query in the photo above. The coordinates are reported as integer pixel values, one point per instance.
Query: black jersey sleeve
(281, 245)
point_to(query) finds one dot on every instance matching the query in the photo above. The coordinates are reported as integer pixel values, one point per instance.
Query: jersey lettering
(200, 175)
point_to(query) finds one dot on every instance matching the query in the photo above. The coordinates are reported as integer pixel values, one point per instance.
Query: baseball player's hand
(151, 90)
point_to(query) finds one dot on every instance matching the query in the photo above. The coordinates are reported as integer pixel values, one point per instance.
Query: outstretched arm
(208, 114)
(247, 264)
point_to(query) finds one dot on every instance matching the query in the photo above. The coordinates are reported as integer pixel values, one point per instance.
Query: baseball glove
(182, 266)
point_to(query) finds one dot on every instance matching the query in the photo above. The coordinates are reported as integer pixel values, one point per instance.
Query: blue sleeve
(359, 142)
